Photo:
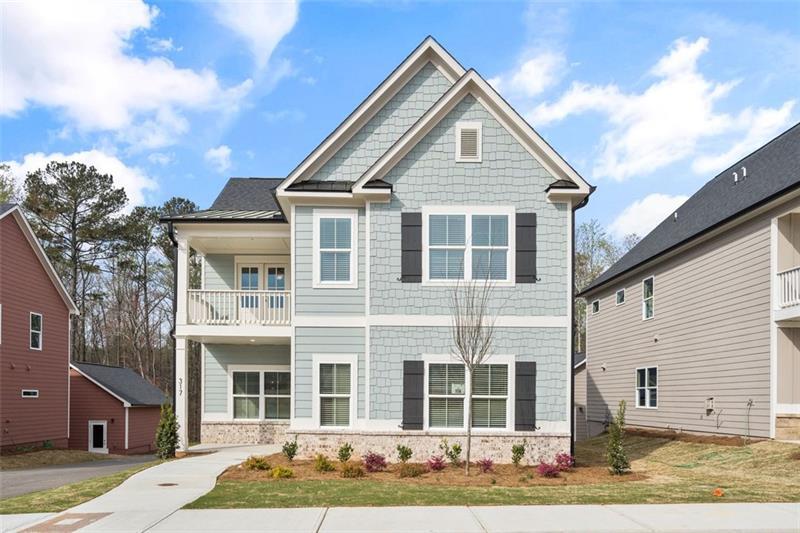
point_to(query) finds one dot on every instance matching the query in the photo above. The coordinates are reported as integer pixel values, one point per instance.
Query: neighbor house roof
(578, 358)
(123, 383)
(14, 210)
(764, 175)
(241, 200)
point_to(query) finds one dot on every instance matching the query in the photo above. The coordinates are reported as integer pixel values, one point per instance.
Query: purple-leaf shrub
(486, 464)
(565, 461)
(548, 470)
(374, 462)
(436, 463)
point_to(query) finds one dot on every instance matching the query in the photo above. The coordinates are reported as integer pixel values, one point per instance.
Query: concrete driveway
(23, 481)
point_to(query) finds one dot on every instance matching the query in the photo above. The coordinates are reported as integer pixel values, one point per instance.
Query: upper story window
(468, 244)
(648, 303)
(595, 306)
(335, 257)
(647, 387)
(620, 296)
(36, 331)
(468, 142)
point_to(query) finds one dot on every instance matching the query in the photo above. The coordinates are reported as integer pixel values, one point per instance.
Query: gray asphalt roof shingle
(6, 207)
(772, 170)
(246, 199)
(123, 382)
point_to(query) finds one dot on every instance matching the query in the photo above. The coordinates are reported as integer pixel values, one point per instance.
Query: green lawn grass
(61, 498)
(677, 472)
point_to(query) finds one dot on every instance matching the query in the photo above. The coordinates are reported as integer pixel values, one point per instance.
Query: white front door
(98, 436)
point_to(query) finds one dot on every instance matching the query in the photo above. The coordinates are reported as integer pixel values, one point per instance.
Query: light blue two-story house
(323, 304)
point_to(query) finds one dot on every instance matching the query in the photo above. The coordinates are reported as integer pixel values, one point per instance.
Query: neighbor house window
(595, 306)
(647, 387)
(648, 307)
(620, 296)
(489, 396)
(246, 397)
(446, 391)
(475, 244)
(335, 248)
(334, 394)
(277, 395)
(36, 331)
(468, 142)
(30, 393)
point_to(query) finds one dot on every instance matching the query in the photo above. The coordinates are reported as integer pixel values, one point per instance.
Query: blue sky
(646, 100)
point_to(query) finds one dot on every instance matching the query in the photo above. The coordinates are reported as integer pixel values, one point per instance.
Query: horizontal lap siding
(90, 402)
(710, 338)
(25, 287)
(581, 431)
(142, 426)
(219, 272)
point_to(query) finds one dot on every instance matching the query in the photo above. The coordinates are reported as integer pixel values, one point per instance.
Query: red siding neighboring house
(112, 409)
(34, 340)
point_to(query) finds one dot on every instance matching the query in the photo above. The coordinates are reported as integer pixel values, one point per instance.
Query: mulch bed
(722, 440)
(503, 475)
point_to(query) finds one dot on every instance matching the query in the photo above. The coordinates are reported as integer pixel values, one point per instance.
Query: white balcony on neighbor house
(239, 308)
(789, 288)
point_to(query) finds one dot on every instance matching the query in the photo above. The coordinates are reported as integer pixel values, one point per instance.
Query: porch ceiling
(248, 245)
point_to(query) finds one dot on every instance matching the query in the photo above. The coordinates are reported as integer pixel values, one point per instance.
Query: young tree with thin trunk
(472, 330)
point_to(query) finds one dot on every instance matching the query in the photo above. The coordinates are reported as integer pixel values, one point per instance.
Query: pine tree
(617, 458)
(167, 433)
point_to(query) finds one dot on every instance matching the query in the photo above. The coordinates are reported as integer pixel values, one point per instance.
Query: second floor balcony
(239, 307)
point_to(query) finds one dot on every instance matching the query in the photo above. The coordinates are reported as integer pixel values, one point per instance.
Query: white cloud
(135, 181)
(76, 57)
(643, 215)
(664, 123)
(259, 23)
(159, 158)
(219, 157)
(289, 115)
(157, 45)
(533, 75)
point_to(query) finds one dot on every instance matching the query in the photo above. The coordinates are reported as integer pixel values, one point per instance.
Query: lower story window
(334, 394)
(261, 395)
(30, 393)
(489, 396)
(277, 395)
(446, 389)
(647, 387)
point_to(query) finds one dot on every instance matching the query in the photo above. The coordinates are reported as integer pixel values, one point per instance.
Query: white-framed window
(446, 391)
(468, 243)
(30, 393)
(260, 392)
(490, 396)
(595, 307)
(335, 387)
(647, 387)
(36, 328)
(469, 142)
(620, 296)
(648, 298)
(335, 248)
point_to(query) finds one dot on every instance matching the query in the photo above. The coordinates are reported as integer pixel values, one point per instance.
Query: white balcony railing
(234, 308)
(789, 283)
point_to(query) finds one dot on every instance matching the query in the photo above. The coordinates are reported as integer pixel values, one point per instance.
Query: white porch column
(182, 282)
(182, 393)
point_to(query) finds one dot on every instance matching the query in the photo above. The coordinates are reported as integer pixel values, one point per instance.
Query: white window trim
(469, 125)
(352, 214)
(616, 297)
(104, 423)
(468, 211)
(653, 298)
(646, 388)
(40, 332)
(496, 359)
(34, 395)
(263, 262)
(336, 358)
(598, 306)
(261, 408)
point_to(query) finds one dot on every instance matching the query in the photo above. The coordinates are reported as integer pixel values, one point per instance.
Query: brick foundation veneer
(243, 432)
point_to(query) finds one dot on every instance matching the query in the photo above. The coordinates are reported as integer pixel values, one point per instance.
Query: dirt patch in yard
(722, 440)
(501, 476)
(51, 458)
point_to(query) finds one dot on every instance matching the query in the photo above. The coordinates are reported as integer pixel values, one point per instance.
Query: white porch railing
(234, 308)
(789, 282)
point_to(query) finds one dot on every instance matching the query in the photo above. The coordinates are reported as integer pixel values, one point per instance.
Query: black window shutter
(525, 401)
(413, 394)
(526, 248)
(411, 247)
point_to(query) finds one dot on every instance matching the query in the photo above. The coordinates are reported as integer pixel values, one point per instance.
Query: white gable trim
(428, 51)
(22, 222)
(125, 403)
(472, 83)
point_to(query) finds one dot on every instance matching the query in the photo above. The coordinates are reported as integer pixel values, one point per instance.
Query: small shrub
(411, 470)
(486, 464)
(323, 464)
(615, 450)
(453, 453)
(404, 453)
(47, 445)
(167, 433)
(548, 470)
(281, 472)
(518, 452)
(565, 461)
(290, 448)
(436, 463)
(345, 452)
(374, 462)
(256, 462)
(352, 470)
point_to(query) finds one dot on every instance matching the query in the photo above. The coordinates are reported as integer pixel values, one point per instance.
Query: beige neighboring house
(698, 326)
(581, 427)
